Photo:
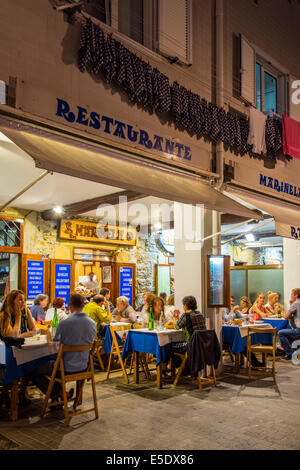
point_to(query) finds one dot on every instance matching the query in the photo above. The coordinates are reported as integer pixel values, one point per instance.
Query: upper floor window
(261, 84)
(163, 26)
(267, 93)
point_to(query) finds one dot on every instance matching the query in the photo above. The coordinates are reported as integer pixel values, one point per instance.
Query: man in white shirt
(287, 337)
(92, 284)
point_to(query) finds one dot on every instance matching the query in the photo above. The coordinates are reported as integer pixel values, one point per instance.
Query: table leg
(159, 375)
(237, 363)
(14, 401)
(136, 367)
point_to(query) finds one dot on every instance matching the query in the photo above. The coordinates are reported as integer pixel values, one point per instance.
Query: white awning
(287, 216)
(58, 152)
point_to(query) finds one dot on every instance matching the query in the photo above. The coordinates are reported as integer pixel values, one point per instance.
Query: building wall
(273, 27)
(40, 237)
(46, 69)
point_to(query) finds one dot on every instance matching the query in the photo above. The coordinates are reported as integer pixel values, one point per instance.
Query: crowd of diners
(85, 321)
(262, 309)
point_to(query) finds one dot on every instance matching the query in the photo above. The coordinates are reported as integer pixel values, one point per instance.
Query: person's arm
(131, 316)
(290, 313)
(181, 322)
(103, 316)
(31, 326)
(14, 330)
(108, 311)
(257, 311)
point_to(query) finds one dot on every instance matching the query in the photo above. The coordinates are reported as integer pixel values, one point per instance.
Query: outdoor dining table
(231, 334)
(156, 342)
(20, 362)
(108, 338)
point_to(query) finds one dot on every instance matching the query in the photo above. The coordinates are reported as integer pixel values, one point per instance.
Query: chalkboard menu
(63, 281)
(126, 282)
(218, 281)
(35, 279)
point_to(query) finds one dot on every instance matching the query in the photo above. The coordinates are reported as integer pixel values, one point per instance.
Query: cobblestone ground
(237, 414)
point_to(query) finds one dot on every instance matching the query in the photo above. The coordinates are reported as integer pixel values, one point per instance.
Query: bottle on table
(251, 317)
(54, 323)
(151, 320)
(279, 314)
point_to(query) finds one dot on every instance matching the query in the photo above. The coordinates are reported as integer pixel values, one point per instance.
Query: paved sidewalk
(238, 414)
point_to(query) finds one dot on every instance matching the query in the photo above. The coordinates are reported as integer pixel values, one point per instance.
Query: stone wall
(40, 237)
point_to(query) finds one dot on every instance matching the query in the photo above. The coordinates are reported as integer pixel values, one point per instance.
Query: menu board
(126, 281)
(35, 279)
(218, 281)
(62, 281)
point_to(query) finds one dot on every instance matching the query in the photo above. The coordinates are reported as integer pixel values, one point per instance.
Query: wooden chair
(201, 380)
(260, 348)
(78, 377)
(116, 350)
(97, 354)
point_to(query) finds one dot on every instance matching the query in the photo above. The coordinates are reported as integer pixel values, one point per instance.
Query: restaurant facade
(73, 120)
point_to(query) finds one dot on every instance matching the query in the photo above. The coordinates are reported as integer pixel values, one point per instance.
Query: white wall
(291, 270)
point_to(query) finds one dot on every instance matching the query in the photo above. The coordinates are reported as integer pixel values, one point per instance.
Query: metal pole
(25, 189)
(227, 229)
(248, 231)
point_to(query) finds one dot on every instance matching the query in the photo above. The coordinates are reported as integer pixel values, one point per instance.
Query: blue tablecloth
(280, 324)
(231, 335)
(14, 372)
(108, 339)
(146, 343)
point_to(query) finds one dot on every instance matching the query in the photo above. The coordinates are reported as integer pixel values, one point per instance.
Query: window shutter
(175, 29)
(247, 71)
(281, 94)
(294, 94)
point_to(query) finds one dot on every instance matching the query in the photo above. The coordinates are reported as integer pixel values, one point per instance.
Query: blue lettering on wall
(122, 130)
(279, 186)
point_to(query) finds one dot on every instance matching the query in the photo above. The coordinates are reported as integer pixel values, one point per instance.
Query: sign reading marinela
(84, 231)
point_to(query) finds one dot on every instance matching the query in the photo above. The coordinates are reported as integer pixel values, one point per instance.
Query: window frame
(17, 248)
(265, 66)
(150, 19)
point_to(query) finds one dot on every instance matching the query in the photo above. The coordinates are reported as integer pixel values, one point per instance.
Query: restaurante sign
(122, 130)
(80, 230)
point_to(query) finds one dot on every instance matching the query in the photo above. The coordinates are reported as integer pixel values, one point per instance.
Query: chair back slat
(119, 328)
(86, 347)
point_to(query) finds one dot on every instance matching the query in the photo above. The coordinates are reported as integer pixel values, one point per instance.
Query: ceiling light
(250, 237)
(58, 210)
(157, 226)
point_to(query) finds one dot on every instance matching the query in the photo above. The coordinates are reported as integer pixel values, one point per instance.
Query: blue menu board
(63, 281)
(126, 274)
(35, 279)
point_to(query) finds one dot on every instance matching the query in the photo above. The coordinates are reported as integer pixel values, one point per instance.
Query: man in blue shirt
(77, 330)
(287, 337)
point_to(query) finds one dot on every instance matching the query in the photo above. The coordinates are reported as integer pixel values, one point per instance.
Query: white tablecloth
(166, 336)
(244, 329)
(34, 349)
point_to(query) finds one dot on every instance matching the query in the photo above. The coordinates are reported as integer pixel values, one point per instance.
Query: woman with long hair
(244, 307)
(258, 308)
(15, 317)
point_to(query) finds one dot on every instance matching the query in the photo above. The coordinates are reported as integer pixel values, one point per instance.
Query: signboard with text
(85, 231)
(63, 281)
(126, 282)
(35, 278)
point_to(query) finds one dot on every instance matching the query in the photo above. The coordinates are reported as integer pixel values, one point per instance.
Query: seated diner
(15, 318)
(123, 311)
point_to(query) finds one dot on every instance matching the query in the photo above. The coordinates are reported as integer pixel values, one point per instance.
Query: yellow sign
(81, 230)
